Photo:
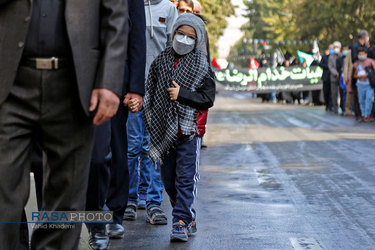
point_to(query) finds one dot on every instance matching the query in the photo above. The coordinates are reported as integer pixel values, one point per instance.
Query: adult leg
(156, 187)
(134, 128)
(349, 103)
(18, 116)
(155, 215)
(99, 177)
(327, 94)
(145, 169)
(334, 95)
(37, 169)
(119, 187)
(342, 99)
(67, 136)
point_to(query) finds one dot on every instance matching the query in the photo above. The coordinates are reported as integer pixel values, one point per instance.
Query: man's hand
(108, 105)
(337, 75)
(133, 101)
(173, 92)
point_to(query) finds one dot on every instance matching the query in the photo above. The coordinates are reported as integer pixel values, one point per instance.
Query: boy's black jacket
(201, 99)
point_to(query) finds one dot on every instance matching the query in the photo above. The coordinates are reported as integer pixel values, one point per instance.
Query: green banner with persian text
(266, 80)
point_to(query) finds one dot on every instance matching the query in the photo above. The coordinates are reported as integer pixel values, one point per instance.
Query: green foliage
(215, 11)
(301, 20)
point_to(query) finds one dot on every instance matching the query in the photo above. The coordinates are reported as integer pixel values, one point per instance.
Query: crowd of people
(348, 76)
(348, 80)
(138, 70)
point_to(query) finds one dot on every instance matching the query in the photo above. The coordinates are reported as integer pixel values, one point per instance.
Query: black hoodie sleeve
(201, 99)
(134, 79)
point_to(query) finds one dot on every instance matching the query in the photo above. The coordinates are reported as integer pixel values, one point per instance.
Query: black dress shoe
(98, 241)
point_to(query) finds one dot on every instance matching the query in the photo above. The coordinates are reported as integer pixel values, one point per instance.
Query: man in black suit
(59, 66)
(109, 174)
(326, 78)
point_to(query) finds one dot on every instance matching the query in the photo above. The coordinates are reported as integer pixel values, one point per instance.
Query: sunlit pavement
(276, 177)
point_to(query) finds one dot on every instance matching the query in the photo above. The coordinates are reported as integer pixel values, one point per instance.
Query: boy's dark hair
(188, 2)
(360, 49)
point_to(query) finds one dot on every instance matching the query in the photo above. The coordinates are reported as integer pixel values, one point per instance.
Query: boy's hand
(173, 92)
(130, 96)
(134, 105)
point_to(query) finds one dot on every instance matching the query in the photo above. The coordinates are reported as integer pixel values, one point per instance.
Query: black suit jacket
(324, 65)
(3, 1)
(97, 31)
(134, 80)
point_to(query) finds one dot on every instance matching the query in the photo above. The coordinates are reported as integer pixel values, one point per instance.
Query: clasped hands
(134, 102)
(107, 103)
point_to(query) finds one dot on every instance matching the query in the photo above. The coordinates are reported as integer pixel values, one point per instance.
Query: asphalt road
(276, 177)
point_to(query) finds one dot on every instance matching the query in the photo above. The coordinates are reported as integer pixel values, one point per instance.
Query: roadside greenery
(293, 24)
(215, 11)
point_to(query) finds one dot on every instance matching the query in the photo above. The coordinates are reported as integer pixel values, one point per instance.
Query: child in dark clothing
(180, 83)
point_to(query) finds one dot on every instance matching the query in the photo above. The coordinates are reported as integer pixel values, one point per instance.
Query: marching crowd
(156, 59)
(349, 76)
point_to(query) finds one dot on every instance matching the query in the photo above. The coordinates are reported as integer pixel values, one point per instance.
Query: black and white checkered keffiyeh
(162, 116)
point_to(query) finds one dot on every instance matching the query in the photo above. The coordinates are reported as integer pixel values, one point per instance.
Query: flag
(305, 57)
(315, 51)
(278, 58)
(214, 63)
(253, 63)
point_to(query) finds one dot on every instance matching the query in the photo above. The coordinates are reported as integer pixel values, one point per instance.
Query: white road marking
(305, 244)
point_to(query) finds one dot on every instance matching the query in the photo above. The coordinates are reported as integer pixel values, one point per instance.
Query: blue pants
(156, 187)
(366, 98)
(180, 176)
(143, 180)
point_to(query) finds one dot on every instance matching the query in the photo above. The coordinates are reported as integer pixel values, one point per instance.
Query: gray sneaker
(130, 212)
(192, 228)
(116, 231)
(156, 216)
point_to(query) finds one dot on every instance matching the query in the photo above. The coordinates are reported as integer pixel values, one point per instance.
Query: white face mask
(362, 57)
(183, 44)
(367, 39)
(337, 50)
(185, 39)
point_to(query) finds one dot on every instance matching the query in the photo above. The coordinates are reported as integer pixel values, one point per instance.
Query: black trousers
(357, 108)
(37, 169)
(327, 94)
(118, 193)
(109, 176)
(43, 106)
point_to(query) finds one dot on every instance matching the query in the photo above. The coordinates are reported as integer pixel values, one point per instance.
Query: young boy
(365, 91)
(180, 83)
